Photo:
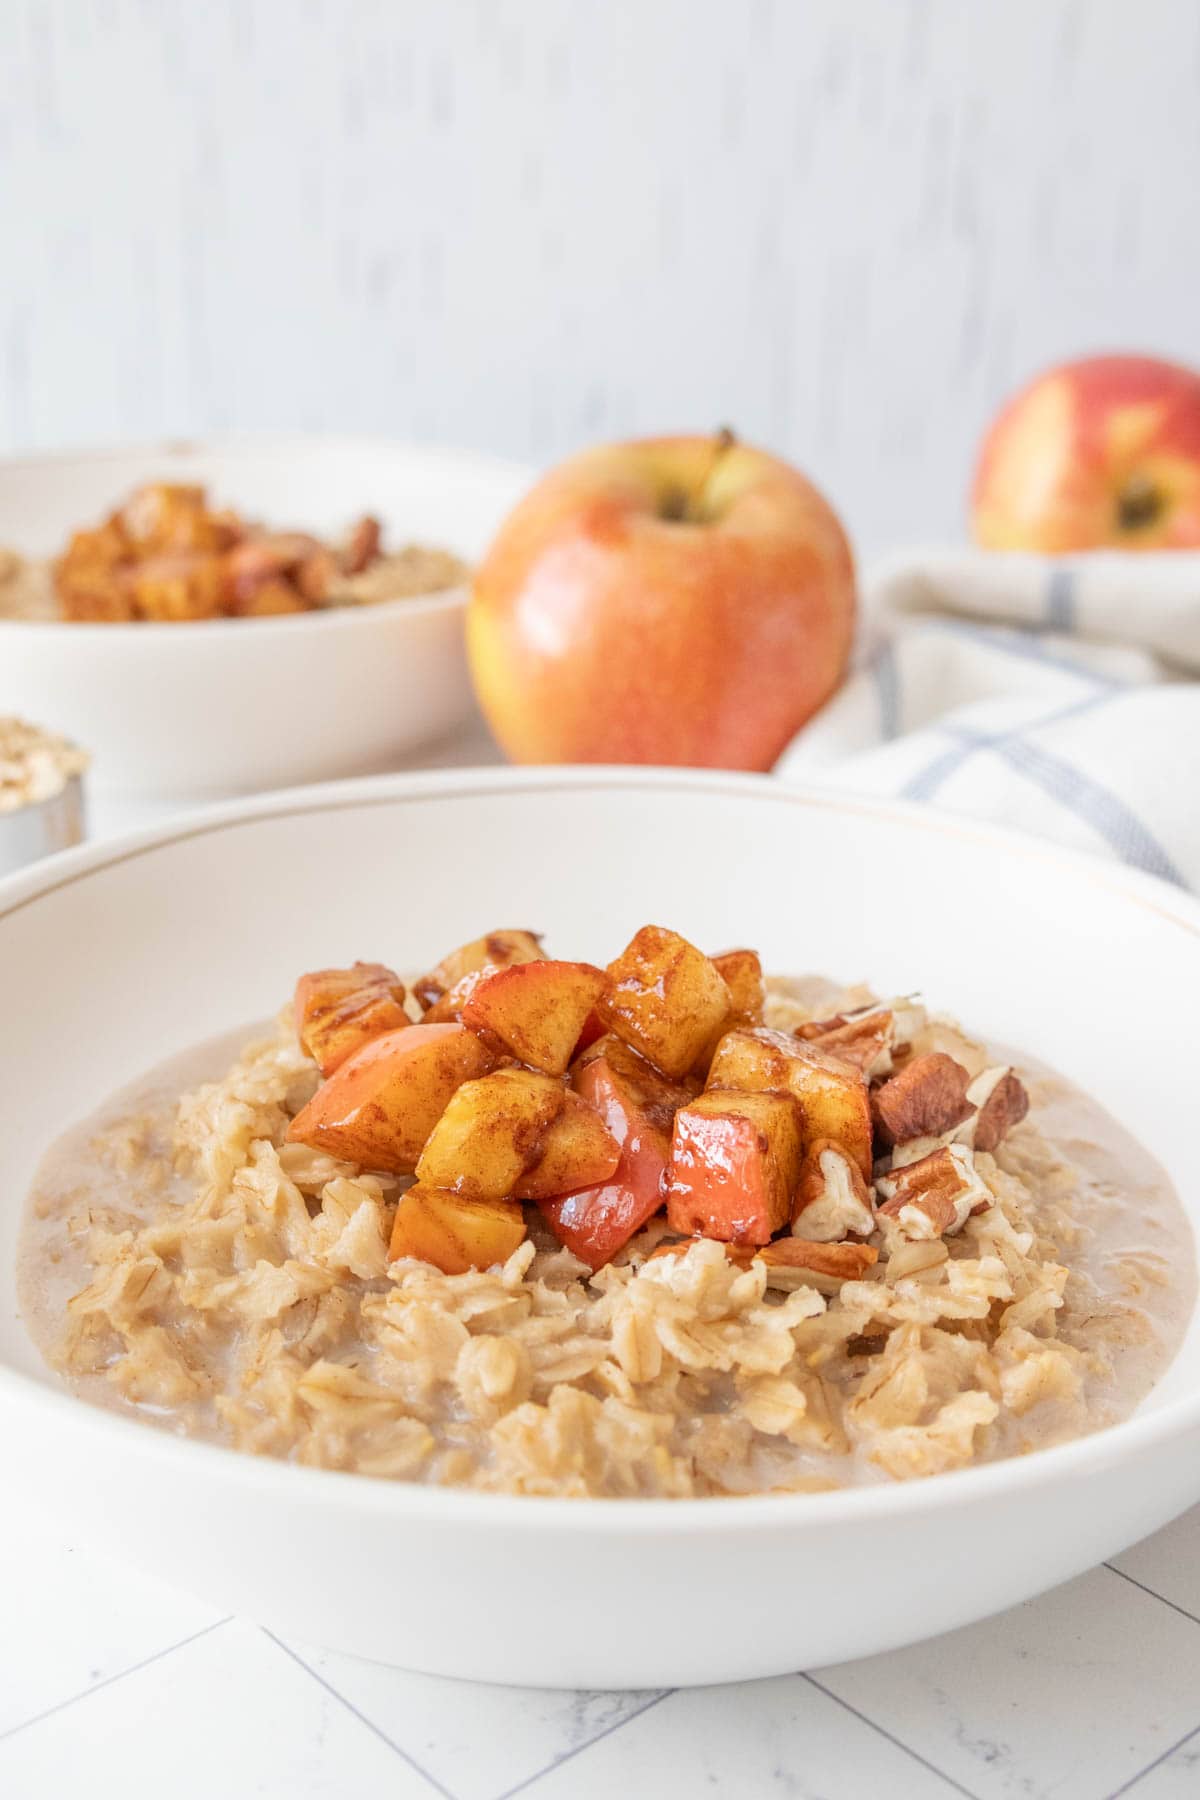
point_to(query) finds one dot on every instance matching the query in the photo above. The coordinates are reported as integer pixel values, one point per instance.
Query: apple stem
(723, 442)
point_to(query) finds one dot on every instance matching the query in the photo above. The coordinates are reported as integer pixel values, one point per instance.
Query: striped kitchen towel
(1058, 695)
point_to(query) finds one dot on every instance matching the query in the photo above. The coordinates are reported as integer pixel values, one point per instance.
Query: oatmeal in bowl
(168, 554)
(663, 1229)
(215, 618)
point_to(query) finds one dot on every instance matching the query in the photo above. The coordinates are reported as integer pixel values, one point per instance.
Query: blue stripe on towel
(887, 683)
(926, 782)
(924, 785)
(1026, 649)
(1090, 800)
(1060, 598)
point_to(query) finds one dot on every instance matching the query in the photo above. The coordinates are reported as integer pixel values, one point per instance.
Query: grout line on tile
(1157, 1763)
(401, 1752)
(565, 1757)
(1153, 1593)
(899, 1743)
(108, 1680)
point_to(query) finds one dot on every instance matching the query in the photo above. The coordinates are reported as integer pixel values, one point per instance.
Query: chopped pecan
(1001, 1102)
(790, 1257)
(267, 564)
(361, 546)
(800, 1262)
(832, 1199)
(935, 1196)
(926, 1098)
(861, 1038)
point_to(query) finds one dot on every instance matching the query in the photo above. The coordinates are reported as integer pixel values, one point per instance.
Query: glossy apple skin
(602, 629)
(1063, 459)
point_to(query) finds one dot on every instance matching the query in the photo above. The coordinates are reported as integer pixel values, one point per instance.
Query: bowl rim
(261, 444)
(1080, 1459)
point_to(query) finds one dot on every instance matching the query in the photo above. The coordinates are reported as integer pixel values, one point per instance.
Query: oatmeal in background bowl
(166, 555)
(315, 588)
(656, 1230)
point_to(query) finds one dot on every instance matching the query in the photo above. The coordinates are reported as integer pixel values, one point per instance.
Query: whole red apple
(674, 600)
(1102, 453)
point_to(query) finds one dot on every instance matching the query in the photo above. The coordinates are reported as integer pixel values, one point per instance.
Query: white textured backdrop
(846, 229)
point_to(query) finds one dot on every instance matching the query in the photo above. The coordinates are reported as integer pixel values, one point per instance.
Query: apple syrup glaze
(1109, 1211)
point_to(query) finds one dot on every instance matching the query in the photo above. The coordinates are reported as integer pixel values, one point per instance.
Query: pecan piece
(361, 546)
(1001, 1102)
(832, 1199)
(861, 1038)
(793, 1261)
(927, 1097)
(935, 1196)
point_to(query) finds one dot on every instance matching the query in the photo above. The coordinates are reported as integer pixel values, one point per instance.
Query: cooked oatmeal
(165, 555)
(188, 1257)
(35, 765)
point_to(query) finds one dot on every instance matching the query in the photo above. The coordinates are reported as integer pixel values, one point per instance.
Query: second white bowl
(237, 705)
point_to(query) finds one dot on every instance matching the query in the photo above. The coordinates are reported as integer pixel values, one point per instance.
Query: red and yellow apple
(683, 600)
(1102, 453)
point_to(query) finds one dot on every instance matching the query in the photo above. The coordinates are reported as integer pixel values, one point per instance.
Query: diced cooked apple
(492, 1130)
(593, 1030)
(378, 1109)
(636, 1106)
(656, 1094)
(667, 1000)
(741, 971)
(455, 1234)
(498, 947)
(735, 1161)
(536, 1009)
(833, 1095)
(578, 1151)
(339, 1010)
(178, 586)
(450, 1007)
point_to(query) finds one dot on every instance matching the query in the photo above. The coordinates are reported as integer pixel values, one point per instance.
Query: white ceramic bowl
(237, 705)
(113, 957)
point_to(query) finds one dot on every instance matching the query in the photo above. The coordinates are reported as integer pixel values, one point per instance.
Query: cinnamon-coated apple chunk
(378, 1109)
(492, 1130)
(741, 971)
(735, 1161)
(578, 1151)
(180, 586)
(498, 947)
(832, 1094)
(536, 1009)
(339, 1010)
(454, 1234)
(636, 1105)
(450, 1007)
(667, 1000)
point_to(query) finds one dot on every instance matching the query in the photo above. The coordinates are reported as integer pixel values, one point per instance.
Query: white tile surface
(780, 1737)
(477, 1741)
(230, 1714)
(72, 1620)
(1070, 1695)
(1177, 1777)
(1169, 1564)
